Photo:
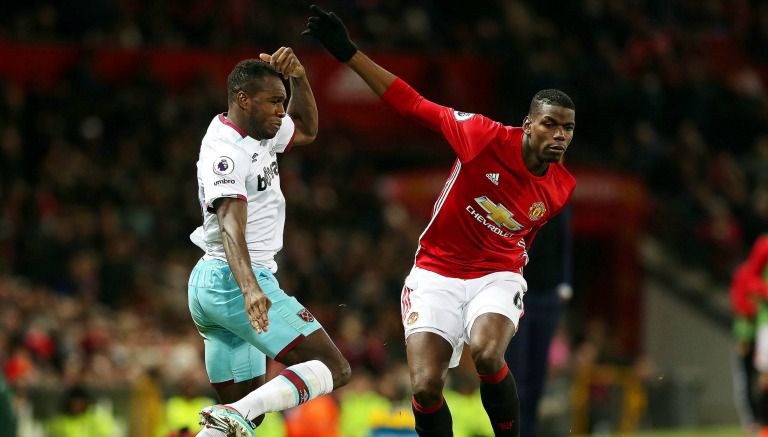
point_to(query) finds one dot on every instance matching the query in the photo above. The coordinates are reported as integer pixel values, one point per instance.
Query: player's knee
(342, 373)
(487, 360)
(427, 396)
(427, 389)
(339, 367)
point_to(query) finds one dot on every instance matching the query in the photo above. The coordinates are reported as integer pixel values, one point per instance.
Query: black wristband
(345, 52)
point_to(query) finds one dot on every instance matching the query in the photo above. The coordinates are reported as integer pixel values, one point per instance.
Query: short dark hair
(246, 76)
(550, 97)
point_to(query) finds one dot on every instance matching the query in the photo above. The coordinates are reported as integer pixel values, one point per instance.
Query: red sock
(434, 420)
(499, 395)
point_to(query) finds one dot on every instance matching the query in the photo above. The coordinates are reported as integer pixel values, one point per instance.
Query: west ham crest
(306, 315)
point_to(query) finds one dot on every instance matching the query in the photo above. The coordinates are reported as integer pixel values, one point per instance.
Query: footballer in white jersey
(234, 298)
(232, 164)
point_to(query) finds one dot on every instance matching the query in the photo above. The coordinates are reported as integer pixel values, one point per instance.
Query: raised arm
(302, 107)
(466, 133)
(372, 73)
(328, 28)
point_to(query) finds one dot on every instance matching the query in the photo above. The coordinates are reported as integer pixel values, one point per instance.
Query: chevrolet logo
(498, 214)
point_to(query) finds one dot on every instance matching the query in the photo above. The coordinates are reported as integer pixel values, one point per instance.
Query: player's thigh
(428, 356)
(498, 294)
(490, 334)
(228, 358)
(289, 321)
(431, 303)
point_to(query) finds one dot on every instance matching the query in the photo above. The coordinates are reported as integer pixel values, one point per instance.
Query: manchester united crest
(412, 318)
(306, 315)
(537, 211)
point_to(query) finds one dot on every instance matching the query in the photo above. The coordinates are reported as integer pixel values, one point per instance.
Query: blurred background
(102, 108)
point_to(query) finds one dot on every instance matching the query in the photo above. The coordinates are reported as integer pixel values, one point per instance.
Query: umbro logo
(254, 157)
(493, 177)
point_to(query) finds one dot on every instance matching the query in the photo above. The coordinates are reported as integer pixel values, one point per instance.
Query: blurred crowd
(674, 91)
(98, 189)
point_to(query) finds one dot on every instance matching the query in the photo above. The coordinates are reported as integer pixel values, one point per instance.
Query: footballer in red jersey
(466, 285)
(749, 302)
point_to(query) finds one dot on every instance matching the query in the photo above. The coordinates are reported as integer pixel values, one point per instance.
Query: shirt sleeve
(283, 140)
(467, 133)
(223, 169)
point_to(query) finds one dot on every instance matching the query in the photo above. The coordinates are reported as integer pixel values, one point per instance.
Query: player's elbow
(304, 138)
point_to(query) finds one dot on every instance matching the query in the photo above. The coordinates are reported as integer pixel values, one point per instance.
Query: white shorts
(449, 307)
(761, 348)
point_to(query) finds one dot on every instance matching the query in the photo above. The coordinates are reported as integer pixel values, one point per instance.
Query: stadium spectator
(749, 300)
(181, 411)
(744, 307)
(359, 403)
(79, 416)
(7, 410)
(318, 417)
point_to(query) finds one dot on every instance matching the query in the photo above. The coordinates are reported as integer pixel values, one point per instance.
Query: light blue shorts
(233, 349)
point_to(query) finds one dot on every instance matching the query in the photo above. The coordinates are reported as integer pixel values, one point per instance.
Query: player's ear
(243, 101)
(527, 125)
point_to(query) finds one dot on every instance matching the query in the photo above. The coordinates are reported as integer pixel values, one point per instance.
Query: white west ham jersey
(232, 164)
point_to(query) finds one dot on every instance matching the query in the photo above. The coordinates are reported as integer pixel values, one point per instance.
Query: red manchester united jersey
(750, 280)
(491, 207)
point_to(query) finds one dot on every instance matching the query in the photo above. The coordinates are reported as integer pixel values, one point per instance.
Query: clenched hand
(285, 61)
(257, 306)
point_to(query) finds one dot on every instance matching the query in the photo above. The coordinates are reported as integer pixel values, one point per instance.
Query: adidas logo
(493, 177)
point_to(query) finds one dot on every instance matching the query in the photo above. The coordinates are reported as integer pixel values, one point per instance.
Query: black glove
(330, 31)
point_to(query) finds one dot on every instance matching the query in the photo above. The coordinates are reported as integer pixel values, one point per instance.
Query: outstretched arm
(466, 133)
(328, 28)
(378, 78)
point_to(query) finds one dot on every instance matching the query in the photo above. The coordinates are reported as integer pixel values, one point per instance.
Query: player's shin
(499, 395)
(294, 386)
